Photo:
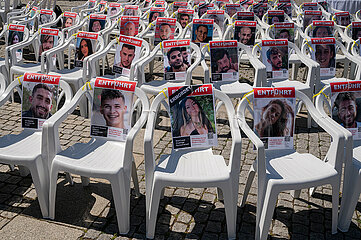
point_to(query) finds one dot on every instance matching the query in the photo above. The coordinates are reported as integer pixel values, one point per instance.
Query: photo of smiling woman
(276, 119)
(191, 118)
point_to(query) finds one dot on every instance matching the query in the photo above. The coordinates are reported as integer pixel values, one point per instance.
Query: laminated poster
(259, 9)
(311, 6)
(323, 51)
(356, 30)
(156, 12)
(245, 32)
(232, 8)
(112, 105)
(245, 16)
(345, 101)
(322, 29)
(192, 114)
(275, 16)
(164, 29)
(217, 16)
(177, 59)
(129, 25)
(286, 7)
(16, 35)
(48, 40)
(310, 16)
(40, 96)
(85, 45)
(275, 57)
(224, 60)
(69, 19)
(131, 10)
(113, 9)
(127, 52)
(179, 5)
(284, 31)
(185, 16)
(45, 16)
(343, 18)
(274, 116)
(97, 22)
(202, 31)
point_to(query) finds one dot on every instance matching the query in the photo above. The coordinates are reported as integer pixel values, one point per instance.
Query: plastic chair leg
(121, 196)
(85, 181)
(220, 194)
(295, 68)
(153, 210)
(335, 200)
(24, 171)
(250, 178)
(52, 191)
(266, 214)
(135, 179)
(69, 178)
(350, 196)
(230, 206)
(41, 186)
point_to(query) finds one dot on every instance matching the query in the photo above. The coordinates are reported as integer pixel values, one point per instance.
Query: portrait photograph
(276, 60)
(308, 18)
(325, 55)
(15, 37)
(84, 48)
(44, 18)
(164, 30)
(245, 34)
(284, 33)
(125, 55)
(185, 16)
(224, 61)
(343, 18)
(202, 33)
(177, 60)
(47, 42)
(129, 26)
(245, 16)
(96, 25)
(356, 30)
(155, 13)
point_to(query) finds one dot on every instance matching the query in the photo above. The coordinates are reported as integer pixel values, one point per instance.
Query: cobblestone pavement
(184, 213)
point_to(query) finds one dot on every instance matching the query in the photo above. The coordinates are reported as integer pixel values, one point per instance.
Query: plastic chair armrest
(8, 91)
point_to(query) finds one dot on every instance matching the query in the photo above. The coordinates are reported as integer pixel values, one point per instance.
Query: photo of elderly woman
(276, 119)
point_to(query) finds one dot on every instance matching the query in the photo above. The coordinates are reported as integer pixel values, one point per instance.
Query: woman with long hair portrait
(276, 120)
(195, 121)
(85, 49)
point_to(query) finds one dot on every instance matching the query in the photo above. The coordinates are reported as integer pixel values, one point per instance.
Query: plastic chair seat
(192, 167)
(25, 146)
(83, 159)
(154, 87)
(328, 81)
(69, 74)
(28, 67)
(233, 89)
(294, 168)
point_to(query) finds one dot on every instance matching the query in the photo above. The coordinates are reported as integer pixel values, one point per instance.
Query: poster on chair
(185, 16)
(164, 29)
(16, 35)
(321, 29)
(68, 20)
(345, 101)
(356, 30)
(284, 31)
(217, 16)
(343, 18)
(275, 57)
(245, 32)
(232, 8)
(179, 5)
(177, 59)
(111, 108)
(192, 115)
(131, 10)
(275, 16)
(86, 43)
(97, 22)
(113, 9)
(45, 16)
(323, 51)
(274, 116)
(286, 7)
(259, 9)
(48, 40)
(202, 31)
(312, 6)
(39, 100)
(245, 16)
(129, 25)
(309, 17)
(224, 60)
(127, 52)
(156, 12)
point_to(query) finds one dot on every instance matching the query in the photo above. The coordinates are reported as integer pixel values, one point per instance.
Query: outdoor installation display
(177, 59)
(275, 57)
(127, 52)
(85, 45)
(323, 51)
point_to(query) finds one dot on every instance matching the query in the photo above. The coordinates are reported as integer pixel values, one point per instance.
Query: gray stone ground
(88, 212)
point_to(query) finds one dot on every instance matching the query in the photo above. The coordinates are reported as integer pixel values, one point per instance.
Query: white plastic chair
(19, 67)
(192, 168)
(29, 149)
(154, 87)
(100, 158)
(352, 173)
(110, 49)
(282, 170)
